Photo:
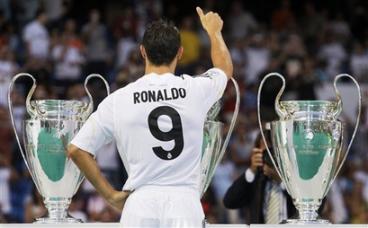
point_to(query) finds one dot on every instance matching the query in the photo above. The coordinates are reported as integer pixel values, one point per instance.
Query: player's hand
(117, 199)
(211, 21)
(256, 159)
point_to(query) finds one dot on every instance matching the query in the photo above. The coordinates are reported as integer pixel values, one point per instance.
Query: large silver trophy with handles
(212, 148)
(47, 131)
(308, 147)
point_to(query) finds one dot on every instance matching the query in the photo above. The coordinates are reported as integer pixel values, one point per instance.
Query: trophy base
(48, 220)
(301, 222)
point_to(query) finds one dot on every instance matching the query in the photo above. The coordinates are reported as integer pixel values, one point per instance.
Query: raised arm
(220, 55)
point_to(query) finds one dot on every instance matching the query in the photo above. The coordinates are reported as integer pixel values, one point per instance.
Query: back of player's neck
(159, 69)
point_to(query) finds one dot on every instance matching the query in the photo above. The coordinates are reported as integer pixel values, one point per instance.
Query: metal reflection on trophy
(308, 147)
(212, 148)
(47, 131)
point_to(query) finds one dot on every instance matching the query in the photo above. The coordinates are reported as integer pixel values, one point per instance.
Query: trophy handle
(356, 121)
(233, 120)
(32, 111)
(227, 138)
(278, 109)
(89, 107)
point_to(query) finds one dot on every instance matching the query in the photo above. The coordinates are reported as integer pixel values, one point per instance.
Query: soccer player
(157, 123)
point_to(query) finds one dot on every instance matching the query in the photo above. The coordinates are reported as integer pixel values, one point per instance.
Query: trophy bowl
(307, 153)
(46, 140)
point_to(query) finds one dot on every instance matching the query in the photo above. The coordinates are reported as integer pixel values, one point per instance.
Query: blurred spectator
(334, 53)
(313, 22)
(237, 54)
(340, 28)
(126, 24)
(294, 46)
(257, 57)
(95, 36)
(240, 22)
(241, 147)
(126, 45)
(8, 68)
(37, 43)
(68, 56)
(358, 62)
(191, 44)
(36, 37)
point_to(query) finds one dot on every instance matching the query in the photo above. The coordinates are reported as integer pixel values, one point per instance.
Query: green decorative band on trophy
(310, 150)
(307, 144)
(48, 153)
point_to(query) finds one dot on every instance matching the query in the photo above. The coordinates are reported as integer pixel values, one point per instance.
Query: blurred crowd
(309, 46)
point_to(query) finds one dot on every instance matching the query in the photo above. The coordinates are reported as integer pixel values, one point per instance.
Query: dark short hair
(161, 40)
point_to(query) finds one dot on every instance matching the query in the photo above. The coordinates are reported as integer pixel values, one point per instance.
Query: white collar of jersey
(160, 75)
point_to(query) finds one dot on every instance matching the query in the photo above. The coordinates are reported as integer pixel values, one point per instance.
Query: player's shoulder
(213, 72)
(210, 73)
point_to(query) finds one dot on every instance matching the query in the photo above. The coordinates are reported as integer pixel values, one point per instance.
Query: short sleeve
(212, 84)
(97, 131)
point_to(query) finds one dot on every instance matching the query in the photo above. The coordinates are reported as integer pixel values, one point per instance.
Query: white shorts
(163, 206)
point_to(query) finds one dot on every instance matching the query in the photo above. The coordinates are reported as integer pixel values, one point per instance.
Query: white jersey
(157, 123)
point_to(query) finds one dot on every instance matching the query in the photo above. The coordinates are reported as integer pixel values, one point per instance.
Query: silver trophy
(212, 148)
(308, 148)
(47, 132)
